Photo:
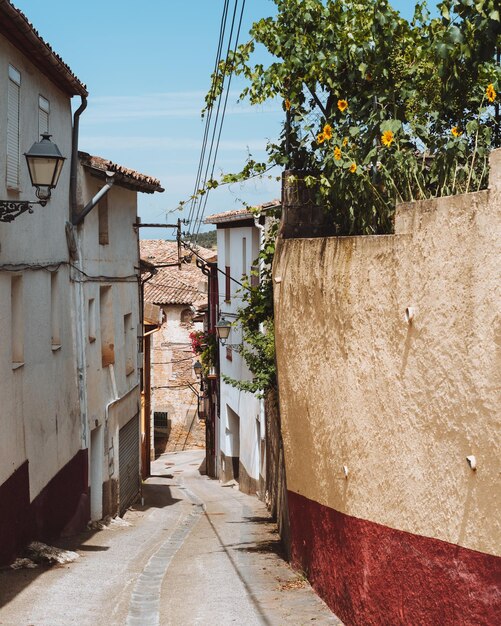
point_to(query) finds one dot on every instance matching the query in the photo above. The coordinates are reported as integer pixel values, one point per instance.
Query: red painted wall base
(370, 574)
(62, 507)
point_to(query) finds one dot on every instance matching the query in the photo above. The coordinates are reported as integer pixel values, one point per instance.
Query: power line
(219, 100)
(208, 118)
(201, 212)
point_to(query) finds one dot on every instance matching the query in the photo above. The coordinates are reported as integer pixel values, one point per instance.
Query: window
(227, 262)
(17, 321)
(91, 320)
(254, 276)
(107, 326)
(186, 316)
(244, 256)
(102, 208)
(227, 296)
(13, 152)
(43, 115)
(128, 344)
(229, 353)
(55, 309)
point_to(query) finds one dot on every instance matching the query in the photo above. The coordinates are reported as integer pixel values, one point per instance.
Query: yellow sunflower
(353, 168)
(345, 142)
(342, 105)
(320, 138)
(327, 132)
(387, 138)
(455, 131)
(490, 92)
(337, 153)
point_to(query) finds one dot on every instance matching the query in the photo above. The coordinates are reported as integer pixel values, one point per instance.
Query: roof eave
(17, 29)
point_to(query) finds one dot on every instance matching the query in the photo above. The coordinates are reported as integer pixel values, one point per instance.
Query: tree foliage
(350, 73)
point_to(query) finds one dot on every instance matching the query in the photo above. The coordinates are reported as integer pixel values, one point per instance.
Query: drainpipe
(78, 219)
(78, 291)
(74, 156)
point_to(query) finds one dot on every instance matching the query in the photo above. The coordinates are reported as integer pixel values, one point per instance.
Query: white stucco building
(106, 287)
(43, 482)
(65, 295)
(241, 432)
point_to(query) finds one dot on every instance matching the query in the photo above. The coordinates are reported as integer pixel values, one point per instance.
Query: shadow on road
(13, 582)
(156, 494)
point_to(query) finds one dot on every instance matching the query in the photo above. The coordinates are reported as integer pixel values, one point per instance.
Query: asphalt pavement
(195, 553)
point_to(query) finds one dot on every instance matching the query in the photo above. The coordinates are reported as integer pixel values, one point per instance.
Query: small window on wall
(129, 344)
(55, 307)
(43, 115)
(229, 353)
(17, 321)
(91, 320)
(254, 276)
(186, 316)
(244, 256)
(227, 286)
(106, 323)
(102, 208)
(13, 150)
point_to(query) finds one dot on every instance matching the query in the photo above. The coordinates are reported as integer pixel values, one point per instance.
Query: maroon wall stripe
(15, 516)
(61, 507)
(370, 574)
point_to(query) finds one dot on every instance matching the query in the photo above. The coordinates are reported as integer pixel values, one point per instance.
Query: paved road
(196, 553)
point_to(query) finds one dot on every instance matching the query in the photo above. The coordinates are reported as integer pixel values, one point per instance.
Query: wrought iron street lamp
(45, 163)
(197, 368)
(223, 328)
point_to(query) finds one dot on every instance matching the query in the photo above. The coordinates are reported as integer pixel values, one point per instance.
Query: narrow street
(195, 553)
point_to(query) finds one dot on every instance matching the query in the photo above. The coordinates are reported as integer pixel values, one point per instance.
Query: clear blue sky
(147, 67)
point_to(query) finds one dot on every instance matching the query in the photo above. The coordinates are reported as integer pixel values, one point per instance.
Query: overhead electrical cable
(206, 197)
(208, 117)
(207, 165)
(216, 121)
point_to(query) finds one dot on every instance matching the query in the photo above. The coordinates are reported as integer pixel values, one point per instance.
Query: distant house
(241, 437)
(180, 289)
(69, 273)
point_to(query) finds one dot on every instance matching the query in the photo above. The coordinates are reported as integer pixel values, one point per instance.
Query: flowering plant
(204, 345)
(378, 109)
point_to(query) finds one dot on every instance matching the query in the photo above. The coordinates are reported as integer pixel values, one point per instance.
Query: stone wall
(172, 363)
(379, 412)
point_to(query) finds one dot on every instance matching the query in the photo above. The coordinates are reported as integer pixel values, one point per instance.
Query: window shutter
(13, 134)
(43, 115)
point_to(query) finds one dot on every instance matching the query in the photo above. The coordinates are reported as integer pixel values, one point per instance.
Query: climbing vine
(255, 317)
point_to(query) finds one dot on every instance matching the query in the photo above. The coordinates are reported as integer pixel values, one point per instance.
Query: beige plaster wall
(400, 405)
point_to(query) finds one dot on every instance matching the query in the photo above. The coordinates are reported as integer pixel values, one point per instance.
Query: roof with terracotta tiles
(173, 285)
(161, 251)
(239, 214)
(124, 176)
(166, 288)
(15, 26)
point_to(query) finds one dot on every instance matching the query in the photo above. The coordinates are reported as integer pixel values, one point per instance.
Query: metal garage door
(128, 459)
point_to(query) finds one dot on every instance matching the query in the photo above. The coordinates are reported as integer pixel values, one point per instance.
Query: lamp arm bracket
(10, 209)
